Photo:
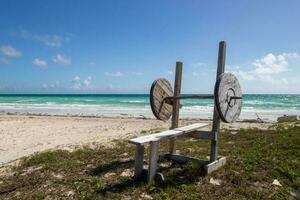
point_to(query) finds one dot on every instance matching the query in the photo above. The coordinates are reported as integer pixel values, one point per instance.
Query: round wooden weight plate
(228, 86)
(160, 89)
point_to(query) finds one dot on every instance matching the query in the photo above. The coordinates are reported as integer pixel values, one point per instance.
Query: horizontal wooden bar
(235, 97)
(206, 135)
(204, 96)
(215, 165)
(183, 159)
(170, 102)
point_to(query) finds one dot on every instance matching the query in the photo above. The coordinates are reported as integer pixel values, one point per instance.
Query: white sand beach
(24, 135)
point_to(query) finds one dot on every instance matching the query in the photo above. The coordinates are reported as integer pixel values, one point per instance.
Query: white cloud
(137, 73)
(267, 66)
(266, 78)
(54, 85)
(77, 84)
(87, 82)
(284, 81)
(114, 74)
(232, 67)
(111, 86)
(271, 64)
(244, 75)
(40, 63)
(51, 41)
(48, 40)
(170, 72)
(291, 55)
(76, 78)
(10, 51)
(60, 59)
(4, 60)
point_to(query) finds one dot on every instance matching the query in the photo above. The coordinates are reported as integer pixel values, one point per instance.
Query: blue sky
(60, 46)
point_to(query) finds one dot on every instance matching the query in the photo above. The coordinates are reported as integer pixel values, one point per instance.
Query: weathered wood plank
(206, 135)
(215, 165)
(153, 160)
(154, 137)
(167, 134)
(139, 159)
(287, 118)
(176, 104)
(177, 91)
(216, 118)
(191, 127)
(183, 159)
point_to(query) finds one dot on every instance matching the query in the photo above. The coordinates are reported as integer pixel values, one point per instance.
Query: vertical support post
(176, 104)
(216, 118)
(153, 160)
(139, 159)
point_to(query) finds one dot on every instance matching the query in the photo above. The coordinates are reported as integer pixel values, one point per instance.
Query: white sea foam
(25, 100)
(196, 111)
(132, 101)
(255, 102)
(89, 100)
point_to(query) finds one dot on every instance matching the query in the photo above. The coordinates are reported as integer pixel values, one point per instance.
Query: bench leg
(172, 147)
(153, 160)
(139, 159)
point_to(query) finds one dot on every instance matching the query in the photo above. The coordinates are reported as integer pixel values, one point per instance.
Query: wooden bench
(153, 140)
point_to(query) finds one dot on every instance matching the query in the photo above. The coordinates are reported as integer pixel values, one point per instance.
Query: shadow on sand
(110, 166)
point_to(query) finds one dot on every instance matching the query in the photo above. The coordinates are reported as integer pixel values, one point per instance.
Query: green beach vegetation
(255, 158)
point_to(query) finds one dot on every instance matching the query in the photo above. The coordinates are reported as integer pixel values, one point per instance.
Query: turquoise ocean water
(132, 105)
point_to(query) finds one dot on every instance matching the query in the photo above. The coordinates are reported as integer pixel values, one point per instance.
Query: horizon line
(134, 94)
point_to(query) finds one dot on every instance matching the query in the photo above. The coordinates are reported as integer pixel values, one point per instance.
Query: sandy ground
(24, 135)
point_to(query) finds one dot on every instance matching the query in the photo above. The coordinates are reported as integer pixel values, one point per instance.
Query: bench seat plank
(154, 137)
(167, 134)
(191, 127)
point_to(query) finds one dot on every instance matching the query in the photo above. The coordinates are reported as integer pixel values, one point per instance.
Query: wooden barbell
(227, 96)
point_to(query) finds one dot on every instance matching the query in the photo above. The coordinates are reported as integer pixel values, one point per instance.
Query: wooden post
(139, 159)
(153, 158)
(176, 104)
(216, 118)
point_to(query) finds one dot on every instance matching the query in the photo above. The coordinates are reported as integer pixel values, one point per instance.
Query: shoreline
(125, 116)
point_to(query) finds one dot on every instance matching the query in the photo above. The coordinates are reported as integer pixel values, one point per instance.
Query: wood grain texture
(153, 158)
(176, 104)
(160, 89)
(177, 92)
(213, 166)
(183, 159)
(228, 86)
(168, 134)
(139, 159)
(205, 135)
(216, 117)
